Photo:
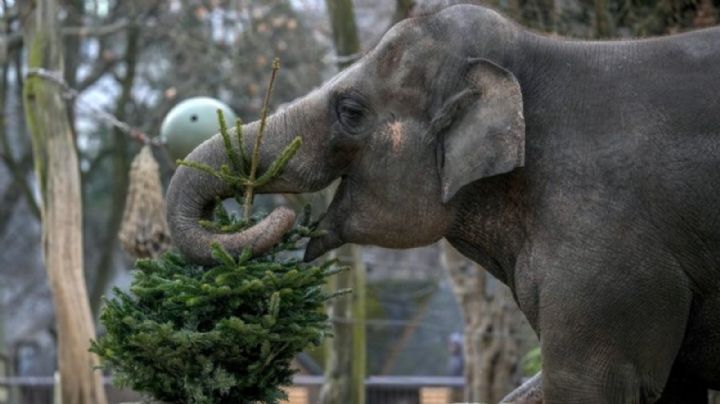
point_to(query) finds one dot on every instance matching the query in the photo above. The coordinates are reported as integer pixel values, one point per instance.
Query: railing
(305, 389)
(386, 389)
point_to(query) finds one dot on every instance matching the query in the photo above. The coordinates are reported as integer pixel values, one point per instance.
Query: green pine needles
(185, 333)
(241, 175)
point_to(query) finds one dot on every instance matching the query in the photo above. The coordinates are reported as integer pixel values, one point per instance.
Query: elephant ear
(480, 130)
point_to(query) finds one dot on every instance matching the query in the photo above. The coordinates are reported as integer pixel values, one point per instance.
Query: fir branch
(258, 139)
(245, 256)
(338, 293)
(227, 333)
(336, 270)
(221, 255)
(199, 166)
(279, 164)
(241, 145)
(221, 214)
(235, 181)
(234, 157)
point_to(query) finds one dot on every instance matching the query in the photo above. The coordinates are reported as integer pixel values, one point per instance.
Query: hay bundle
(144, 232)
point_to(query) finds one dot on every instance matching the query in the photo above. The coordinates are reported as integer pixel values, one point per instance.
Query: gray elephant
(584, 175)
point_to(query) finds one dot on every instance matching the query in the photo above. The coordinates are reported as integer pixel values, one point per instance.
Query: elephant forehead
(404, 57)
(397, 46)
(345, 77)
(388, 58)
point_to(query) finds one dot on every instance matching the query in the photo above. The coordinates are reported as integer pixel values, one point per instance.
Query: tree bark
(57, 169)
(18, 168)
(492, 342)
(403, 8)
(345, 363)
(345, 356)
(603, 23)
(344, 31)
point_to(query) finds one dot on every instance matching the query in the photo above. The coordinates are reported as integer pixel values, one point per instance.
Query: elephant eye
(350, 114)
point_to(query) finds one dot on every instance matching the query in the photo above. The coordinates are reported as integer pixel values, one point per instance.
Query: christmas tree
(185, 333)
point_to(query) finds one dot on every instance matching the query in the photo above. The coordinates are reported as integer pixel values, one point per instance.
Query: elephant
(584, 175)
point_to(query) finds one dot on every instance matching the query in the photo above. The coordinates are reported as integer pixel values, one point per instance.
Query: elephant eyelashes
(350, 114)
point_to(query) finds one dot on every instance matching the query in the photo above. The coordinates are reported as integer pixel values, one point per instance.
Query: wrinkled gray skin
(599, 209)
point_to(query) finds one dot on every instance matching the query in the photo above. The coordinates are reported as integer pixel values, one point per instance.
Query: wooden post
(345, 364)
(492, 340)
(345, 357)
(57, 170)
(358, 371)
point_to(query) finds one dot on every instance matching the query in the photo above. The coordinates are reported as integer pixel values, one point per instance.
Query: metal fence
(305, 390)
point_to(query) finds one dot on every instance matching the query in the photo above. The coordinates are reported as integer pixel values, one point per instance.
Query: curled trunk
(192, 193)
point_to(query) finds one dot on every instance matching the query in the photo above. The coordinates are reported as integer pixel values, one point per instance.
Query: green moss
(34, 95)
(532, 362)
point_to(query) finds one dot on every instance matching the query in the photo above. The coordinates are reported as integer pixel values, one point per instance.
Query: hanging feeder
(144, 232)
(190, 123)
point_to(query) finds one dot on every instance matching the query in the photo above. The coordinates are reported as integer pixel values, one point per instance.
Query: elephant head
(427, 111)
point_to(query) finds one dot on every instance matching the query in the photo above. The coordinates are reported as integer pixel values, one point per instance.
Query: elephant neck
(490, 222)
(478, 32)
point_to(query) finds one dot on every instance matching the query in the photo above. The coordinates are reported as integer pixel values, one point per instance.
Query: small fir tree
(185, 333)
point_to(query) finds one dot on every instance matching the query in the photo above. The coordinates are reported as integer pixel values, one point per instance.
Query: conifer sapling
(225, 333)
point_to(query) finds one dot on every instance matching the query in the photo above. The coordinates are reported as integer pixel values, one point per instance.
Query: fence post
(57, 388)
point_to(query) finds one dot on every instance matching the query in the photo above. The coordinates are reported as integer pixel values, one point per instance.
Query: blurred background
(430, 327)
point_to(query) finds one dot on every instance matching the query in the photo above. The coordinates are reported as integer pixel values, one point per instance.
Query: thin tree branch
(18, 171)
(95, 162)
(7, 205)
(101, 30)
(100, 68)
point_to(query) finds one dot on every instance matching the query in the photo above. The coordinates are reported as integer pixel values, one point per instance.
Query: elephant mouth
(329, 235)
(327, 240)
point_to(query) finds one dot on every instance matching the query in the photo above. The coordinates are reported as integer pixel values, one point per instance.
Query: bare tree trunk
(57, 169)
(345, 361)
(492, 342)
(344, 30)
(345, 354)
(403, 8)
(408, 331)
(603, 23)
(19, 167)
(705, 15)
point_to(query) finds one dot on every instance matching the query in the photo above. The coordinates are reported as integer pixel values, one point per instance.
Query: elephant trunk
(192, 193)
